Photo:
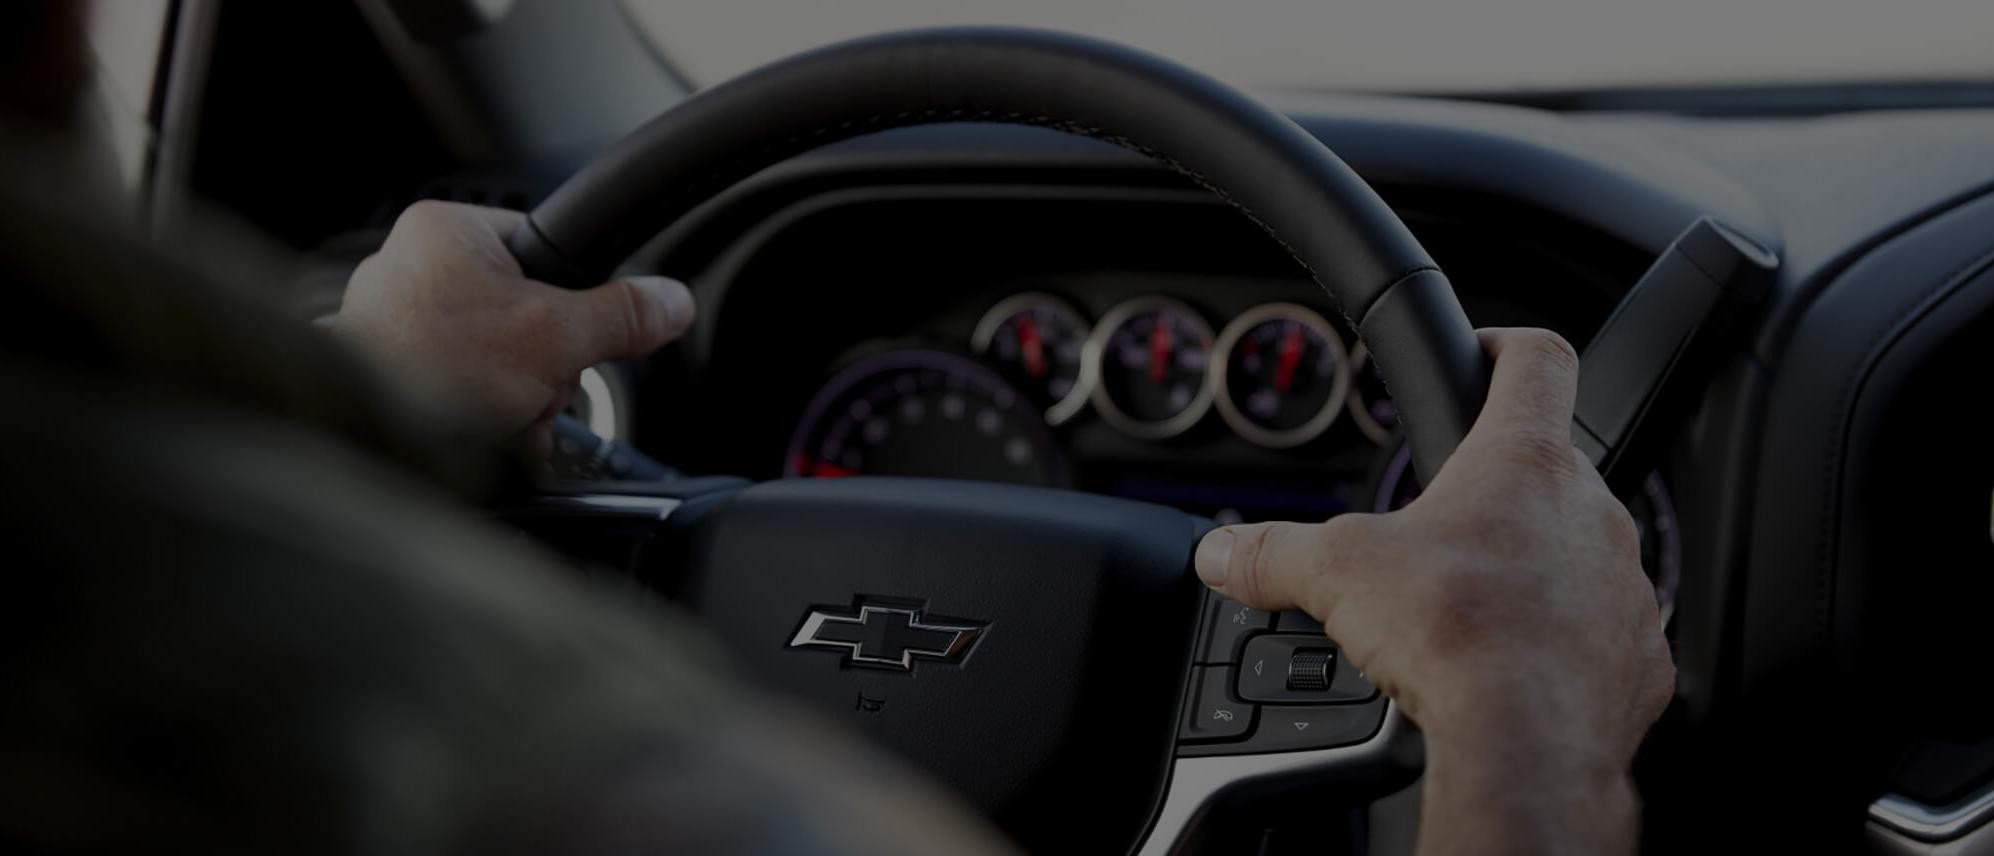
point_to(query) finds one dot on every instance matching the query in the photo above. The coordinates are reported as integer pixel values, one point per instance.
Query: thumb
(1274, 566)
(628, 319)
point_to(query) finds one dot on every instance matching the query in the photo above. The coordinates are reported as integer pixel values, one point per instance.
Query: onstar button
(1213, 713)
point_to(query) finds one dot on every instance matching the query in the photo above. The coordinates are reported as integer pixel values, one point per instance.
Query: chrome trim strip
(1925, 822)
(659, 506)
(1194, 781)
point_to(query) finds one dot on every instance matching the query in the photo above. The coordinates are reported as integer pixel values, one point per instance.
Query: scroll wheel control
(1309, 669)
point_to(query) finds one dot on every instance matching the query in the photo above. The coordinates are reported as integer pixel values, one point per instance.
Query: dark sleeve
(179, 320)
(244, 609)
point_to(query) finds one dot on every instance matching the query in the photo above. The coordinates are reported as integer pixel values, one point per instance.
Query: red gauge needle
(1159, 351)
(1291, 355)
(1034, 348)
(828, 470)
(808, 466)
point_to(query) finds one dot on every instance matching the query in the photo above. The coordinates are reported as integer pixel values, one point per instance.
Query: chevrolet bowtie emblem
(887, 636)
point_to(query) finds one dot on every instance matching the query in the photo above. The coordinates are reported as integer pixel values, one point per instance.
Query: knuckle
(1541, 454)
(1545, 346)
(1256, 576)
(1344, 531)
(639, 324)
(424, 215)
(1618, 529)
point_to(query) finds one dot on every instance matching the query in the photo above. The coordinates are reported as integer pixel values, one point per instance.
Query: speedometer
(923, 413)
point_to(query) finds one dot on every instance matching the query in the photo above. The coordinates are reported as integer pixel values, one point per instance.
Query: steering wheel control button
(1227, 622)
(1298, 729)
(1309, 670)
(1215, 715)
(1295, 669)
(1350, 683)
(1289, 728)
(1297, 621)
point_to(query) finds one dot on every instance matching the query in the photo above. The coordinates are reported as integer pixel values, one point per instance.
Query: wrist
(1526, 790)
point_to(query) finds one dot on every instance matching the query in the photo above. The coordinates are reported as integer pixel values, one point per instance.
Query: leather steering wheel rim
(1252, 157)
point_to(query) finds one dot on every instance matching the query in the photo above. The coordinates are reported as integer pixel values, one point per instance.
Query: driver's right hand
(1505, 609)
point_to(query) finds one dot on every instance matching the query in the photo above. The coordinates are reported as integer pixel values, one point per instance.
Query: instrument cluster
(1012, 403)
(1278, 375)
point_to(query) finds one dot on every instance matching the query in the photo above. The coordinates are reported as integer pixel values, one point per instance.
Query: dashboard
(1136, 341)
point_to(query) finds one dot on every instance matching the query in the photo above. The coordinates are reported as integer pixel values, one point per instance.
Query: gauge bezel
(1090, 366)
(602, 396)
(1360, 412)
(1221, 365)
(1063, 410)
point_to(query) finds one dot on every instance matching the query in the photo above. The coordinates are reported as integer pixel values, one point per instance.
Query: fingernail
(1214, 557)
(672, 298)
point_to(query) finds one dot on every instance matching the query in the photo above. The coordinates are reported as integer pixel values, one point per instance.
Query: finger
(1533, 385)
(1270, 566)
(433, 217)
(502, 221)
(626, 319)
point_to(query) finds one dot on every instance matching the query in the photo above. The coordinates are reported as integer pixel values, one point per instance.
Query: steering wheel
(1051, 655)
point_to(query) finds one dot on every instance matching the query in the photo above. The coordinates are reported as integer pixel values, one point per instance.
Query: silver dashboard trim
(1194, 781)
(1928, 823)
(1360, 411)
(659, 507)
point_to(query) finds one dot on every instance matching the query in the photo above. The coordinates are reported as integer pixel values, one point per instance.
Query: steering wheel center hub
(1029, 646)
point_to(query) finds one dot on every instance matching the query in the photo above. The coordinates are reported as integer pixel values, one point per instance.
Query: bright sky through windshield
(1490, 45)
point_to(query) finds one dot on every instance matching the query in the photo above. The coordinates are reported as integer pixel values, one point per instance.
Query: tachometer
(1036, 341)
(1147, 361)
(923, 413)
(1281, 375)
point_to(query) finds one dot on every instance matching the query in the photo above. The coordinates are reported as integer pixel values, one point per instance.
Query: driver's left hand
(444, 301)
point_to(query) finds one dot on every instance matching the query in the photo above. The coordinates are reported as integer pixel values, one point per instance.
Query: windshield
(1404, 45)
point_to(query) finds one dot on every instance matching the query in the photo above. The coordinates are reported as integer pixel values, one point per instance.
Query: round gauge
(1036, 341)
(923, 413)
(1370, 403)
(1654, 514)
(1280, 376)
(1146, 364)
